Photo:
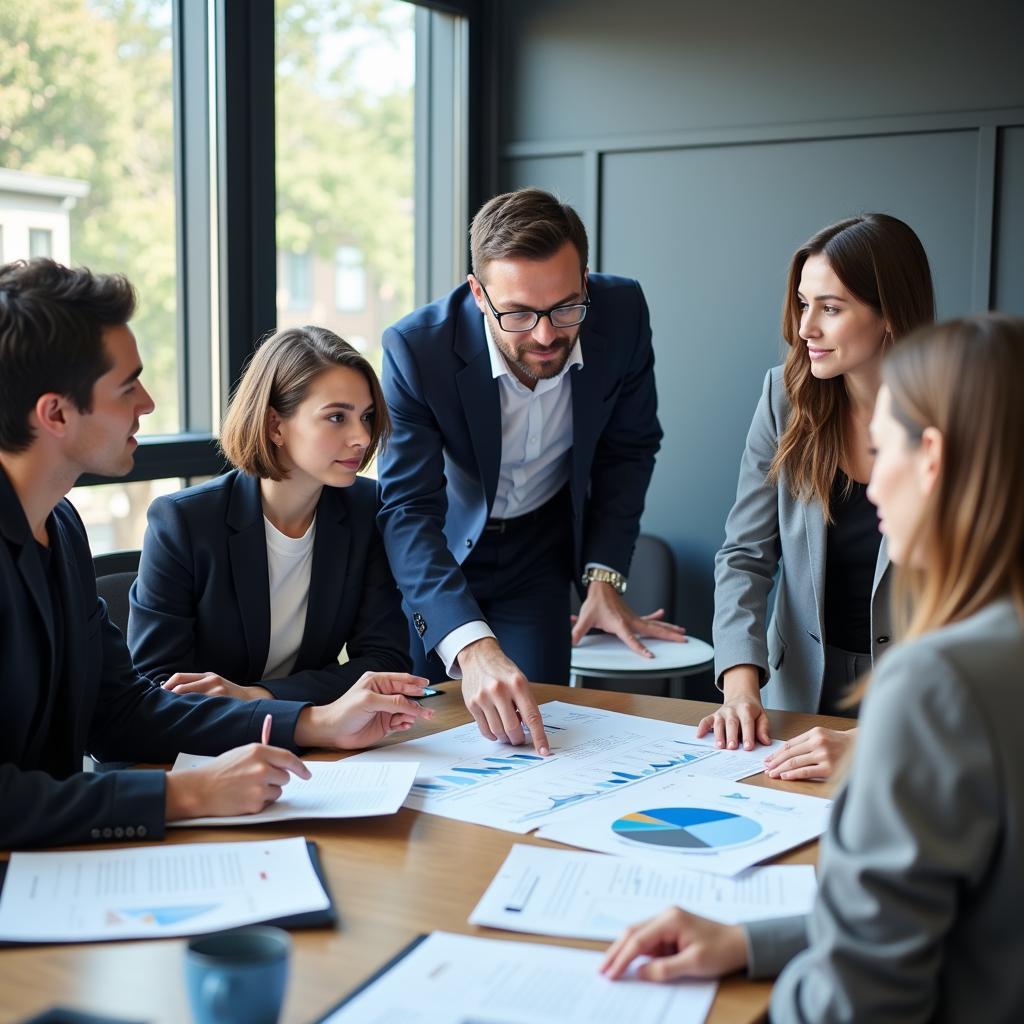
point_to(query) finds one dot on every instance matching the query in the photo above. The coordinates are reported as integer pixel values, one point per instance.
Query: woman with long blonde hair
(854, 290)
(920, 882)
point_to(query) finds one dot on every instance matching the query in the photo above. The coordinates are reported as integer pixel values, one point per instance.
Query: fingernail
(545, 751)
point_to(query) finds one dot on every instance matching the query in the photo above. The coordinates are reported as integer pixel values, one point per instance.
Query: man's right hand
(241, 781)
(498, 695)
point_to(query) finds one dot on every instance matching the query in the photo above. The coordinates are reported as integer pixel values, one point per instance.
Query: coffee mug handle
(216, 993)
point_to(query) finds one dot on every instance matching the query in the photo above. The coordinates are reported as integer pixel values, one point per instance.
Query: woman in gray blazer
(854, 290)
(918, 911)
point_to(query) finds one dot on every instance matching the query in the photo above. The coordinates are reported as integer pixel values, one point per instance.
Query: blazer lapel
(247, 551)
(328, 574)
(881, 565)
(478, 392)
(14, 526)
(814, 523)
(588, 391)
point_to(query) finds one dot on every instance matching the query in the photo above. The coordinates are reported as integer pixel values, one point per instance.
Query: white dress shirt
(536, 439)
(289, 565)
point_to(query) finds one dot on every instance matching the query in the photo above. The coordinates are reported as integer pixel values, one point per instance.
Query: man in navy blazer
(525, 428)
(70, 403)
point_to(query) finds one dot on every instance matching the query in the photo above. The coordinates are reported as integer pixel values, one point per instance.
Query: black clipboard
(376, 976)
(326, 918)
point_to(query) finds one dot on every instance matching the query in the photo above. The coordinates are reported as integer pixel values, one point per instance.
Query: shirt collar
(500, 367)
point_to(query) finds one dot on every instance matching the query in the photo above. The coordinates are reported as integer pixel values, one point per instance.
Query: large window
(345, 74)
(86, 134)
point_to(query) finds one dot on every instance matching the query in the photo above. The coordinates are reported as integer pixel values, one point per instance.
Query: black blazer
(201, 602)
(106, 708)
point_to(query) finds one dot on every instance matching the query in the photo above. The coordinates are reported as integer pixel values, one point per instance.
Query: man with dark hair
(525, 427)
(70, 403)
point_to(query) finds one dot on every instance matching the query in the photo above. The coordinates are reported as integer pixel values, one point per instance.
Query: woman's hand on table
(680, 945)
(815, 754)
(742, 719)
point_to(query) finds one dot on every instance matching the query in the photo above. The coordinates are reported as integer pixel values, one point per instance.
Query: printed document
(687, 821)
(458, 979)
(337, 789)
(591, 896)
(594, 752)
(155, 892)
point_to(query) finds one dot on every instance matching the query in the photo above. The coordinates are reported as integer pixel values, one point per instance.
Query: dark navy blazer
(439, 473)
(201, 602)
(105, 707)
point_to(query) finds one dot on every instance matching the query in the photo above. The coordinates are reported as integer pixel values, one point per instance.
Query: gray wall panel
(562, 175)
(1008, 279)
(580, 68)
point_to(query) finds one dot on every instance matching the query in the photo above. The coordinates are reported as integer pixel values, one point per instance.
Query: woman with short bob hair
(854, 290)
(917, 915)
(252, 583)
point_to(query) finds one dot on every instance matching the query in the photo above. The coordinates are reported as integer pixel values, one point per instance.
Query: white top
(289, 564)
(536, 437)
(536, 434)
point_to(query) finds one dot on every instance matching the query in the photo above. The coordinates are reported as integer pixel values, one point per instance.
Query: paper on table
(337, 789)
(151, 892)
(695, 822)
(591, 896)
(594, 752)
(458, 979)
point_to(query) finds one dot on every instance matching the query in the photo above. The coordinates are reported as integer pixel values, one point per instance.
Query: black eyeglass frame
(538, 313)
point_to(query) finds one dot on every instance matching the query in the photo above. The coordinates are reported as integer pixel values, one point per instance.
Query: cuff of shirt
(450, 647)
(772, 944)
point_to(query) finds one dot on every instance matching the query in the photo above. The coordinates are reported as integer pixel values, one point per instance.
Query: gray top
(767, 527)
(921, 881)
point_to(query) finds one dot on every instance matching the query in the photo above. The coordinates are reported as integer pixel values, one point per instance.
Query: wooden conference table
(391, 878)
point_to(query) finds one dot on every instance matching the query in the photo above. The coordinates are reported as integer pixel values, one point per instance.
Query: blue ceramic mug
(238, 976)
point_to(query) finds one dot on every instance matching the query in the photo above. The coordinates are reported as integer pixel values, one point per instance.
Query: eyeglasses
(519, 320)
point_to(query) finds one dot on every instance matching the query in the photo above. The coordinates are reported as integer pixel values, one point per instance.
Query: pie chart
(691, 828)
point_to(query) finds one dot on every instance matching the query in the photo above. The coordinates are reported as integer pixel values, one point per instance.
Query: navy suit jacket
(109, 709)
(201, 602)
(439, 473)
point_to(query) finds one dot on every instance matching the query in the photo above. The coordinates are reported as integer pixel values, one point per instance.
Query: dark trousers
(520, 572)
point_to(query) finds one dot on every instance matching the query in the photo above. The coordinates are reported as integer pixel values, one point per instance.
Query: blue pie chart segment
(686, 828)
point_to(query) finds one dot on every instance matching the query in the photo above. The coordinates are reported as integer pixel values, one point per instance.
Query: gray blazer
(918, 915)
(765, 527)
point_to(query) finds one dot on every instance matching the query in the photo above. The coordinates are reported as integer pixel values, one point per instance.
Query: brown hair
(52, 320)
(531, 223)
(963, 378)
(278, 376)
(882, 263)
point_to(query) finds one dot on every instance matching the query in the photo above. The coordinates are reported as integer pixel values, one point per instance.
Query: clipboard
(326, 918)
(376, 976)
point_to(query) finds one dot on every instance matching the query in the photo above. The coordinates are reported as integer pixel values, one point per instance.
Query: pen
(267, 723)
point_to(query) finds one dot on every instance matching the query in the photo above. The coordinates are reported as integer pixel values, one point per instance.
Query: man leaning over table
(70, 402)
(525, 428)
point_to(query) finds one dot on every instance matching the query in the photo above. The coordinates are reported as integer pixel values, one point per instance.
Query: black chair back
(115, 574)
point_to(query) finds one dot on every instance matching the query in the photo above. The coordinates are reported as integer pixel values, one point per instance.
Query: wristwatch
(616, 579)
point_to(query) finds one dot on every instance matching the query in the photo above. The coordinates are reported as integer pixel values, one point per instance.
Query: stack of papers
(337, 789)
(457, 979)
(155, 892)
(594, 754)
(591, 896)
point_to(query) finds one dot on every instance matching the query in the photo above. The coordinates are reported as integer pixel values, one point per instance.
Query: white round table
(603, 656)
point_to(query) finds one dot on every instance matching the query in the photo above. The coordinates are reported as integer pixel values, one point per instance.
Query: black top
(853, 540)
